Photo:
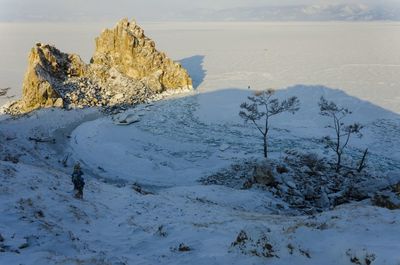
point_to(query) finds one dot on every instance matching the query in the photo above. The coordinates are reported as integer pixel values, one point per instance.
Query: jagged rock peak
(127, 49)
(126, 68)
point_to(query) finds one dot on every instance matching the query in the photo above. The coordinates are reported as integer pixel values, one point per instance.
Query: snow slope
(176, 142)
(116, 225)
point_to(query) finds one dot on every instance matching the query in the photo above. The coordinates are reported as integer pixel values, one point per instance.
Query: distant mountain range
(316, 12)
(340, 12)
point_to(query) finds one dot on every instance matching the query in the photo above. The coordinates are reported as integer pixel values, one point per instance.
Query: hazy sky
(14, 10)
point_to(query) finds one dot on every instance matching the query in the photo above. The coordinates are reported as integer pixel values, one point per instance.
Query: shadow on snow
(194, 66)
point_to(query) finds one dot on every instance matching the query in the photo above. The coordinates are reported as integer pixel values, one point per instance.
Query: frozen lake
(362, 59)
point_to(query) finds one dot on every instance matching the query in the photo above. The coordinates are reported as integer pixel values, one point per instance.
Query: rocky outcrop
(126, 68)
(47, 69)
(131, 53)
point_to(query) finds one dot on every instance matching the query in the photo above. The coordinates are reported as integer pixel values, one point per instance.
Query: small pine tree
(262, 107)
(342, 131)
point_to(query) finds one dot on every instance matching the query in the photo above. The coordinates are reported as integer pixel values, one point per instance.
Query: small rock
(240, 239)
(11, 158)
(183, 248)
(323, 201)
(58, 103)
(118, 96)
(247, 184)
(39, 214)
(281, 169)
(128, 119)
(24, 245)
(136, 187)
(291, 184)
(283, 188)
(161, 231)
(263, 174)
(224, 147)
(309, 192)
(295, 200)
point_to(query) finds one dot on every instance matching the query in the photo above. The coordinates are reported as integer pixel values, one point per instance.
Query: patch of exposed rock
(306, 183)
(126, 68)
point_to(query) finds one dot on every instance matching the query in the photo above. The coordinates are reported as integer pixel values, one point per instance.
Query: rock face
(131, 53)
(47, 69)
(126, 68)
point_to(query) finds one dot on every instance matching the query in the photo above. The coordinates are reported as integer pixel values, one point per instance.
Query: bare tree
(342, 131)
(262, 107)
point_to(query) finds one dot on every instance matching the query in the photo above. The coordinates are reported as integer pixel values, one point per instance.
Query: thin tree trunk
(339, 162)
(265, 147)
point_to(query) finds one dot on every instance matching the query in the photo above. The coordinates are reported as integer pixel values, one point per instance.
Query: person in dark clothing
(78, 181)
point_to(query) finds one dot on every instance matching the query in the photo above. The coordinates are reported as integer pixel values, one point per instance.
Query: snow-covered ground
(42, 224)
(205, 124)
(176, 142)
(182, 139)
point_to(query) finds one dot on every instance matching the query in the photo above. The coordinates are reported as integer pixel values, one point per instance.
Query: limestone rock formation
(126, 68)
(47, 69)
(127, 49)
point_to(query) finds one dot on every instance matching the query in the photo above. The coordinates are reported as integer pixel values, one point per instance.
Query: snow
(170, 147)
(208, 134)
(115, 224)
(175, 143)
